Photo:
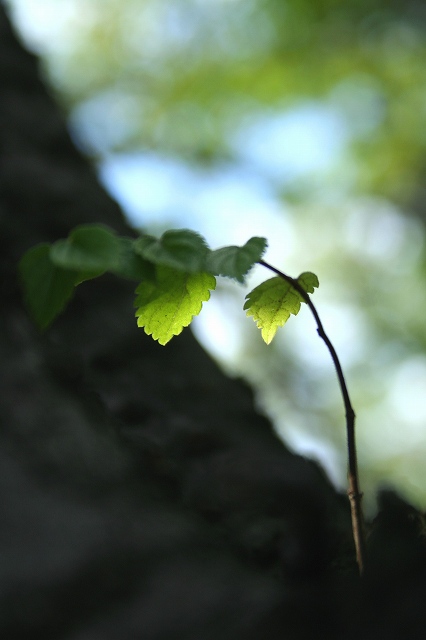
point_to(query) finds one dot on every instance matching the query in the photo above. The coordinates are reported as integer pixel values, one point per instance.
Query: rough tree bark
(141, 494)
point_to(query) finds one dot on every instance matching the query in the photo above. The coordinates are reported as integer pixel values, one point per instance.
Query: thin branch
(354, 493)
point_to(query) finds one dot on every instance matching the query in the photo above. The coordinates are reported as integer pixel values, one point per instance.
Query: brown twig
(354, 493)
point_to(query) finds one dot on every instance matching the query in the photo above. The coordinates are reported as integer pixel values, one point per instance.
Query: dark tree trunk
(141, 494)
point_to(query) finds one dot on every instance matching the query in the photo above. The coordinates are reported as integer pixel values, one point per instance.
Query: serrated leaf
(308, 281)
(168, 304)
(180, 249)
(47, 288)
(236, 262)
(273, 301)
(89, 248)
(131, 265)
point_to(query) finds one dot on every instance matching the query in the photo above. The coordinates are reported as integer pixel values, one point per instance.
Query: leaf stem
(354, 493)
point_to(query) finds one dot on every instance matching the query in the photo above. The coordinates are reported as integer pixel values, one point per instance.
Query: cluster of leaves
(175, 273)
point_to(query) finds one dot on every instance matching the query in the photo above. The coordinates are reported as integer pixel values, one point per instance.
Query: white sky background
(231, 203)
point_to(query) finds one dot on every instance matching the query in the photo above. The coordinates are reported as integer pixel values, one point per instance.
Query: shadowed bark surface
(141, 494)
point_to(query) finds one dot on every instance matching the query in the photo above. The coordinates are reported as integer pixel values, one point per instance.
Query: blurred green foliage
(184, 75)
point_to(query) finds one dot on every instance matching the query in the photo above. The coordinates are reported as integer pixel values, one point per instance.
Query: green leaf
(89, 248)
(180, 249)
(308, 281)
(236, 262)
(166, 306)
(131, 265)
(273, 301)
(47, 288)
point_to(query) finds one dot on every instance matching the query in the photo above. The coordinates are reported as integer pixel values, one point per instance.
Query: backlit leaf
(273, 301)
(308, 281)
(168, 304)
